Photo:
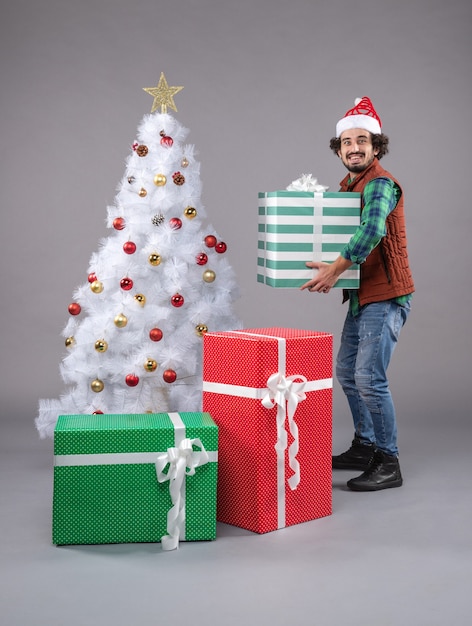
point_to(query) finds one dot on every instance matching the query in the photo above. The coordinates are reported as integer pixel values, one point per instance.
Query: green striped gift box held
(300, 226)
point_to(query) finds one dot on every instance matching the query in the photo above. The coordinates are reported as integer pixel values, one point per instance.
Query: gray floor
(401, 557)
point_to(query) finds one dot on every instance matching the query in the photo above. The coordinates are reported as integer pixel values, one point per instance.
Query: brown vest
(386, 273)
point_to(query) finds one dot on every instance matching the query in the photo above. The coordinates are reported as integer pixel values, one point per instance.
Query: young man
(379, 308)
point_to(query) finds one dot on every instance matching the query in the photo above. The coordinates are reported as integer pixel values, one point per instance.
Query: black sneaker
(358, 457)
(383, 473)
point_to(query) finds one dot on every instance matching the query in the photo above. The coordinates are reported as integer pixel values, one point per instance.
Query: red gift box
(269, 390)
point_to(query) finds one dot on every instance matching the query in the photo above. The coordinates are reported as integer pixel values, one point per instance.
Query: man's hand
(327, 274)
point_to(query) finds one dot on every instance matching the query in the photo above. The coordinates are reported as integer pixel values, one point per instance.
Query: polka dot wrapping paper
(254, 490)
(106, 488)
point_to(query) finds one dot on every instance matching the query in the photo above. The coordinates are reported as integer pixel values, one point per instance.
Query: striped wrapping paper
(300, 226)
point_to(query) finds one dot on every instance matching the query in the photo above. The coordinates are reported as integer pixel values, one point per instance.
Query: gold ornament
(96, 286)
(201, 329)
(140, 299)
(154, 259)
(142, 193)
(190, 212)
(97, 385)
(121, 320)
(160, 180)
(70, 341)
(101, 345)
(163, 95)
(209, 276)
(150, 365)
(184, 162)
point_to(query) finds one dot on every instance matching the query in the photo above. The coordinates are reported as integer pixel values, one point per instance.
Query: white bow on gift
(283, 391)
(306, 182)
(182, 462)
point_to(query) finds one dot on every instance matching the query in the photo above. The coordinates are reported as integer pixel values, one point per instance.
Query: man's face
(356, 151)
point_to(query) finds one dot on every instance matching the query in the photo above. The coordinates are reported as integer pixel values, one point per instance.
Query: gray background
(265, 82)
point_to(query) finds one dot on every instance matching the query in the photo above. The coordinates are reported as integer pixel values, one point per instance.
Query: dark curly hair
(379, 142)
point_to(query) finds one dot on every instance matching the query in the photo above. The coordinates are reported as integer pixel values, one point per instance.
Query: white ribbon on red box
(285, 393)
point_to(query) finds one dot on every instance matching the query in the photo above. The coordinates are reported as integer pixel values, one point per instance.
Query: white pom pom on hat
(362, 115)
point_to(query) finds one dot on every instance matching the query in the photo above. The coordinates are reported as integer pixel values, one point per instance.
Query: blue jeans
(367, 344)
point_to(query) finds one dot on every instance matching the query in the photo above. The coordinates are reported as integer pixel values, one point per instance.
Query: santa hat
(362, 115)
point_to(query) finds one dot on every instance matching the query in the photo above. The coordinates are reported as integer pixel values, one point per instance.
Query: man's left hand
(324, 278)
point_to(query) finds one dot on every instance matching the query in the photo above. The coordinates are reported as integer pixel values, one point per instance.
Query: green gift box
(135, 478)
(300, 226)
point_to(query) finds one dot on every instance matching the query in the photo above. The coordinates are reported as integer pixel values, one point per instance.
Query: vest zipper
(384, 262)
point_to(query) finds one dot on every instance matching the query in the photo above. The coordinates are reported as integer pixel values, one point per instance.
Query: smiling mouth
(355, 157)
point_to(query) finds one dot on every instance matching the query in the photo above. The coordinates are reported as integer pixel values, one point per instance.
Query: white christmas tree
(157, 284)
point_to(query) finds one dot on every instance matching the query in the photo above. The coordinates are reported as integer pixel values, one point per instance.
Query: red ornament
(129, 247)
(74, 308)
(221, 247)
(126, 284)
(169, 376)
(119, 223)
(177, 300)
(202, 259)
(155, 334)
(132, 380)
(97, 413)
(166, 141)
(92, 277)
(175, 223)
(135, 145)
(210, 241)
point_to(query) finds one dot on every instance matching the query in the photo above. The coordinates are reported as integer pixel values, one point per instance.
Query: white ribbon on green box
(181, 459)
(300, 226)
(284, 393)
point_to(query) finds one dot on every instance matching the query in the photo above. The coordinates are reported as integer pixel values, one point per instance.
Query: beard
(357, 168)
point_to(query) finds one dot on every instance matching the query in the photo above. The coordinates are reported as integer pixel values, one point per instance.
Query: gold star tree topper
(163, 95)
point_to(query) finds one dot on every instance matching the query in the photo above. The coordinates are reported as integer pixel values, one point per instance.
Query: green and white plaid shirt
(380, 197)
